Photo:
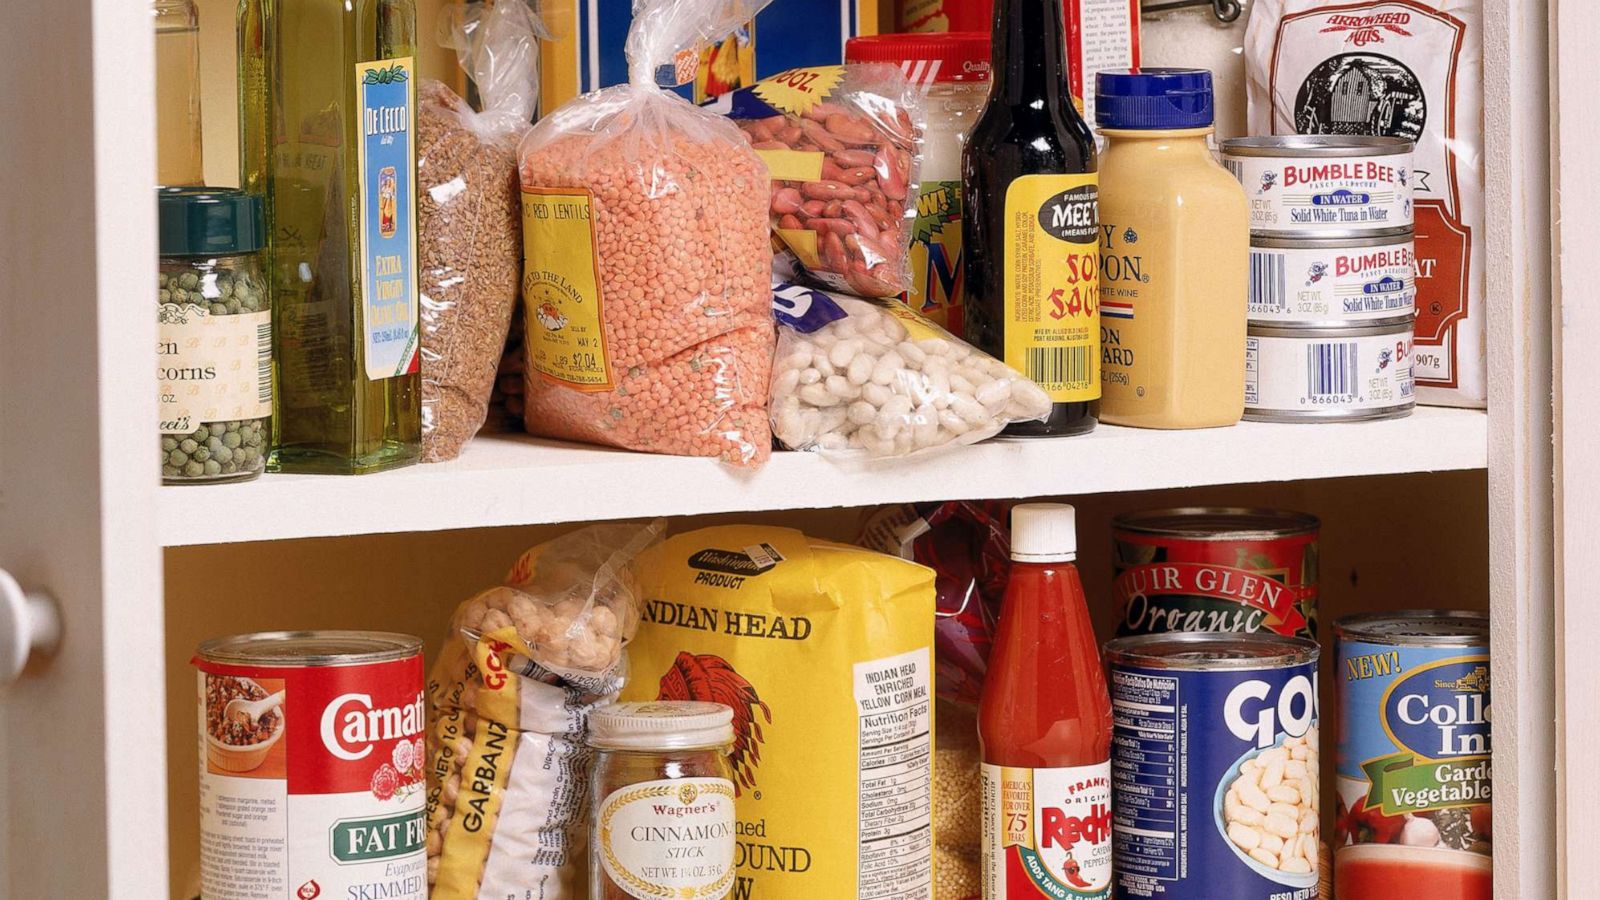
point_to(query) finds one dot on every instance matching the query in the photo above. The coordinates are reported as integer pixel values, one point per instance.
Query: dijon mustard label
(561, 289)
(1052, 295)
(669, 838)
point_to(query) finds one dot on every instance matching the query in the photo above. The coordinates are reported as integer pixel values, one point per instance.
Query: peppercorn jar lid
(929, 58)
(661, 725)
(203, 221)
(1154, 98)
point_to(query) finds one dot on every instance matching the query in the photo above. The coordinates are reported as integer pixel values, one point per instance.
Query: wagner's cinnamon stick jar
(663, 801)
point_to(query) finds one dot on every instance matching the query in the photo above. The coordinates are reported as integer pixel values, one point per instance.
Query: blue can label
(1215, 782)
(388, 169)
(1414, 747)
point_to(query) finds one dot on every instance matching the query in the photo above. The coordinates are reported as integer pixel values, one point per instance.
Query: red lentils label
(320, 794)
(561, 289)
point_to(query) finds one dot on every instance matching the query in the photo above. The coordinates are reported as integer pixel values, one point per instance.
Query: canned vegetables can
(1332, 281)
(1355, 373)
(1414, 770)
(1216, 569)
(1324, 185)
(1214, 767)
(316, 790)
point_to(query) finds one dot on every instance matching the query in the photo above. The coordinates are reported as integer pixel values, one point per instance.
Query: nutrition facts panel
(894, 702)
(1147, 809)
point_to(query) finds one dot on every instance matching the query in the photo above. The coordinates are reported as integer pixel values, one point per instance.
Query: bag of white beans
(874, 378)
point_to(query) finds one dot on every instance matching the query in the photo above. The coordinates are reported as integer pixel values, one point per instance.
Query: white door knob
(30, 623)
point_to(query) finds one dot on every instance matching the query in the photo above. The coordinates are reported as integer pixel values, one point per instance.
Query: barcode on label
(1331, 369)
(264, 363)
(1269, 285)
(1236, 167)
(1059, 367)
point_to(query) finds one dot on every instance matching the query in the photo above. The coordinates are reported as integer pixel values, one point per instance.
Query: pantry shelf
(517, 480)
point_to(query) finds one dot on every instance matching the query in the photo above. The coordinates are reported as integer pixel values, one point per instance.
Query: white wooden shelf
(517, 480)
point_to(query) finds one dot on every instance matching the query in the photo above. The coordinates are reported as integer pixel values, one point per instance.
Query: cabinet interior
(1388, 542)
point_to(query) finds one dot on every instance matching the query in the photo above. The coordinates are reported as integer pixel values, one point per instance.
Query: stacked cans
(1332, 276)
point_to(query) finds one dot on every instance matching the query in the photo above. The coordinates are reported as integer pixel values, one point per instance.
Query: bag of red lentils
(647, 259)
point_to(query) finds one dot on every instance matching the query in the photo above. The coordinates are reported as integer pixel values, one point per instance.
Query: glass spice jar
(663, 819)
(214, 350)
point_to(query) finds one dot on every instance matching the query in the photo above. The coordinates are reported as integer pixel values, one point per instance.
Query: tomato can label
(1206, 570)
(320, 791)
(1414, 770)
(1047, 832)
(1215, 767)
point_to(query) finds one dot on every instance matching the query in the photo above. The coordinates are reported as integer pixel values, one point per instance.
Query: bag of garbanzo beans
(825, 653)
(646, 257)
(521, 668)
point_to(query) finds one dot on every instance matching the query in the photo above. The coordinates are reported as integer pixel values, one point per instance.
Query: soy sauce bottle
(1032, 229)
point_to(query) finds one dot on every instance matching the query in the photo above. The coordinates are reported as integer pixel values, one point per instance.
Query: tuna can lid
(1217, 523)
(1416, 628)
(1317, 146)
(1208, 651)
(655, 725)
(309, 648)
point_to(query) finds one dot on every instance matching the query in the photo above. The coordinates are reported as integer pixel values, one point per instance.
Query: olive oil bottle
(1031, 229)
(327, 92)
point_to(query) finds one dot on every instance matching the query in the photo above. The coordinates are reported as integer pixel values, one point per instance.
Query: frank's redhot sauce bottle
(1044, 724)
(1032, 230)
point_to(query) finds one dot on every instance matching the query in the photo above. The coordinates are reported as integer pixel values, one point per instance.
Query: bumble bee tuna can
(1214, 767)
(1414, 775)
(311, 756)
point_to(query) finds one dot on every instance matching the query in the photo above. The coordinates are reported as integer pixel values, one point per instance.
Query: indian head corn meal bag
(825, 653)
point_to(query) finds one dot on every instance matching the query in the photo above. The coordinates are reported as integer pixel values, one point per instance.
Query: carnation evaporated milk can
(1215, 768)
(1216, 569)
(311, 759)
(1414, 772)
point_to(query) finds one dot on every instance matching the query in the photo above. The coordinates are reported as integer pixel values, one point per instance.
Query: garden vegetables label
(824, 652)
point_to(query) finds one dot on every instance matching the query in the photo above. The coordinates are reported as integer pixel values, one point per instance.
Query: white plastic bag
(872, 376)
(648, 258)
(469, 224)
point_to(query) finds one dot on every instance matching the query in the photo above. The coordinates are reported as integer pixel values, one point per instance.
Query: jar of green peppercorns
(214, 353)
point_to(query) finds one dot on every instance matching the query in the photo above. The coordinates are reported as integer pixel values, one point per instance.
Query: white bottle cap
(1044, 532)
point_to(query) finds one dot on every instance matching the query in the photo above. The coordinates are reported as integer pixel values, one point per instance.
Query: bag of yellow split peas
(522, 666)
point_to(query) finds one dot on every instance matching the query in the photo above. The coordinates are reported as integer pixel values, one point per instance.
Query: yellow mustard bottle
(1174, 256)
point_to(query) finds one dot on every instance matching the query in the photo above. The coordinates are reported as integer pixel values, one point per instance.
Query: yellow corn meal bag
(825, 653)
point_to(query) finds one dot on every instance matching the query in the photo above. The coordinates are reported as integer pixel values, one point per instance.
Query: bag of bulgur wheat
(646, 278)
(1404, 68)
(522, 666)
(825, 653)
(469, 221)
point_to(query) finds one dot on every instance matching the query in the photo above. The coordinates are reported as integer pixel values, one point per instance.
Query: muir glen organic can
(318, 790)
(1414, 772)
(1214, 768)
(1324, 185)
(1216, 569)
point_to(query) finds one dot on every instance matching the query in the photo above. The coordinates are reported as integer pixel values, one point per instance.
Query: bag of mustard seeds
(825, 653)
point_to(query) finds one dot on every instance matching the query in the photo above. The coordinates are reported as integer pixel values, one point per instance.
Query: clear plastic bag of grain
(522, 666)
(648, 257)
(469, 222)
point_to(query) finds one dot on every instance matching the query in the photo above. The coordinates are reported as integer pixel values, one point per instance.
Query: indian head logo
(1369, 29)
(708, 677)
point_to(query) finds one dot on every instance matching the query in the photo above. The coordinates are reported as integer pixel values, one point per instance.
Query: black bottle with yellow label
(1032, 228)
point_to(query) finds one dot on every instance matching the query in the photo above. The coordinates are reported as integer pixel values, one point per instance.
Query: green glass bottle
(327, 92)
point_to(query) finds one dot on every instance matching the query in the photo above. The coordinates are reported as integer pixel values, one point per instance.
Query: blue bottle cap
(1153, 98)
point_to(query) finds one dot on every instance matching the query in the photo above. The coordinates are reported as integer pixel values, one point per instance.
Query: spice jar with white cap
(663, 823)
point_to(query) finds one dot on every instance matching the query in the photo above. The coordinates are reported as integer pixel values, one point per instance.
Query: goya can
(1333, 281)
(1317, 185)
(315, 788)
(1355, 373)
(1414, 776)
(1214, 767)
(1216, 569)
